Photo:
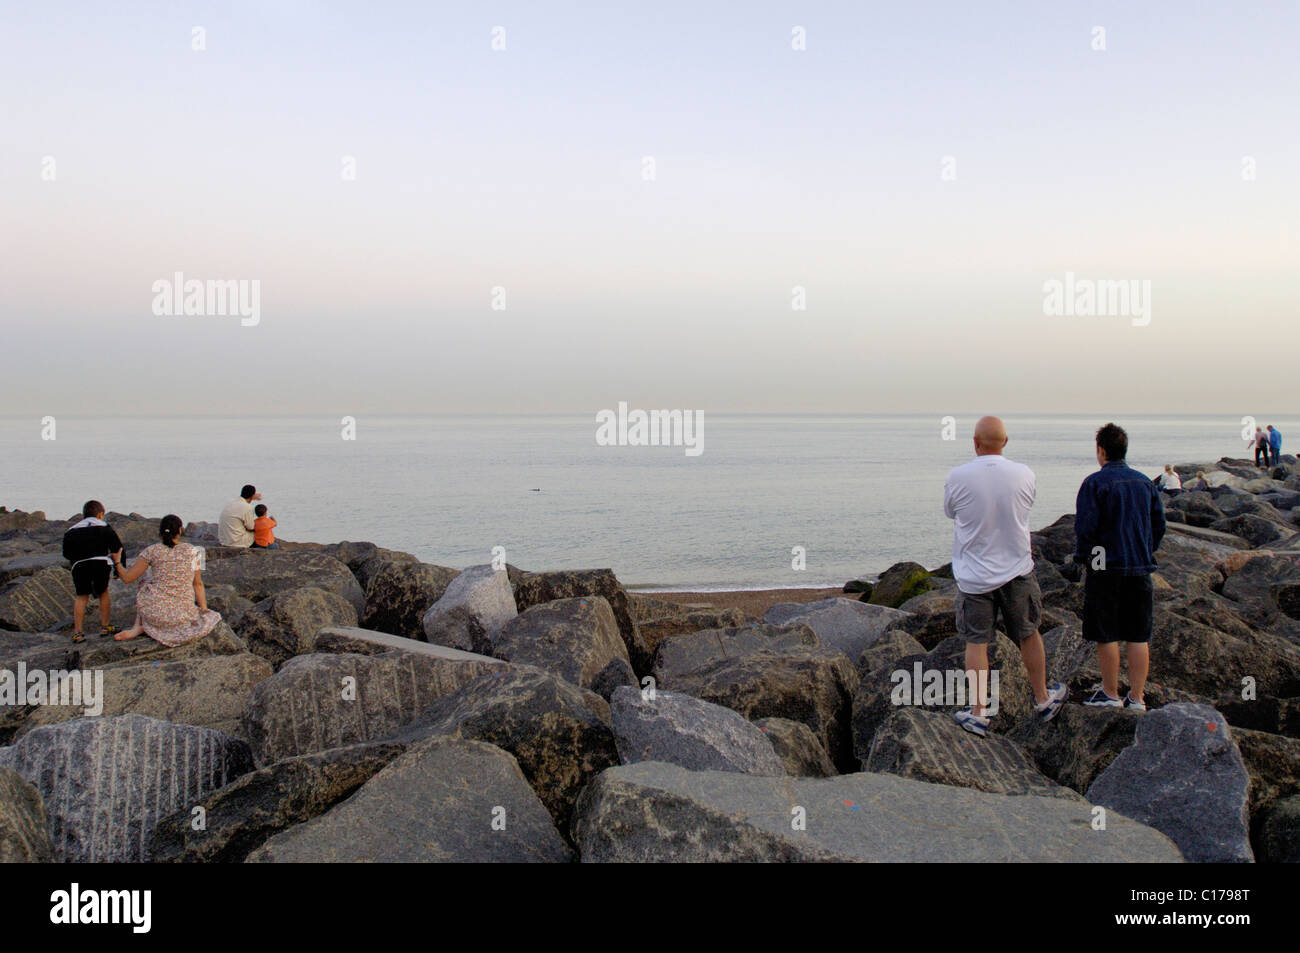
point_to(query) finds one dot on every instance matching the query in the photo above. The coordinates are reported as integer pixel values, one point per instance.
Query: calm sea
(857, 493)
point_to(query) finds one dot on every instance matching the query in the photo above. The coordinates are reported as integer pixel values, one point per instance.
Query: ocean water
(858, 493)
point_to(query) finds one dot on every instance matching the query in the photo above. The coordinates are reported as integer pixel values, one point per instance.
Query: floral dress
(165, 602)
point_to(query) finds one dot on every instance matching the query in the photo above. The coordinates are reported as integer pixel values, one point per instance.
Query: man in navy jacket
(1118, 524)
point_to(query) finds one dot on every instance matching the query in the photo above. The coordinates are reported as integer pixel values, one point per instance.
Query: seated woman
(171, 606)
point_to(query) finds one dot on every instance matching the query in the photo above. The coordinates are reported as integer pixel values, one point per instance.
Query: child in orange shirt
(263, 538)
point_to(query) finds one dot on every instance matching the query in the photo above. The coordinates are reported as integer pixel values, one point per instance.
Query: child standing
(263, 537)
(89, 546)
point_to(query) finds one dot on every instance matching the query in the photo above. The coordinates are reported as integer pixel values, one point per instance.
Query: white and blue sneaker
(975, 724)
(1132, 705)
(1056, 696)
(1099, 699)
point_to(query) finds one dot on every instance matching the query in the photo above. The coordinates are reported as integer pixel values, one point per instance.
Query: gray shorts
(1020, 603)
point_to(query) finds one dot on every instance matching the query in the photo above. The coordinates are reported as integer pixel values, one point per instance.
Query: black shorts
(90, 577)
(1116, 608)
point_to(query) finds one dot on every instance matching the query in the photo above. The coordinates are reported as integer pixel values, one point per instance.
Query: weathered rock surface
(930, 746)
(893, 644)
(798, 748)
(286, 624)
(209, 691)
(474, 607)
(444, 800)
(106, 781)
(575, 638)
(844, 624)
(37, 602)
(559, 733)
(24, 829)
(680, 656)
(316, 702)
(259, 575)
(660, 812)
(1078, 744)
(688, 732)
(800, 682)
(400, 593)
(900, 582)
(535, 588)
(243, 815)
(1184, 776)
(669, 624)
(1279, 838)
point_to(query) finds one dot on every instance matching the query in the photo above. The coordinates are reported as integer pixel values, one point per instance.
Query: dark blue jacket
(1119, 510)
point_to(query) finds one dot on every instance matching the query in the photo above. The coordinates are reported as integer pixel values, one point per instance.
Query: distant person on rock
(1170, 482)
(1275, 444)
(89, 546)
(263, 529)
(238, 522)
(989, 500)
(1200, 483)
(1261, 447)
(1118, 524)
(171, 606)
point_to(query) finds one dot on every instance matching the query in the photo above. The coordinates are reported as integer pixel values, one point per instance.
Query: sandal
(78, 637)
(109, 630)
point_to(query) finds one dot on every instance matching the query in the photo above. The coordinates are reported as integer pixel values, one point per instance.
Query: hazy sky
(523, 169)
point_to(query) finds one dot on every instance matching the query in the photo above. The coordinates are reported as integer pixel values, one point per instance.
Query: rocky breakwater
(358, 704)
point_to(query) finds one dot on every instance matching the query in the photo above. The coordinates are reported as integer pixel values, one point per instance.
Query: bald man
(989, 500)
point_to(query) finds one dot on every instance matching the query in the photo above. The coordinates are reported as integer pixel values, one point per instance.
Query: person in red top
(263, 537)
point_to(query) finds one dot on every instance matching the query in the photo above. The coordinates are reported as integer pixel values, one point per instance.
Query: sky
(448, 207)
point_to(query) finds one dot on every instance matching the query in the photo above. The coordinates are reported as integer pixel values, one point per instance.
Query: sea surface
(857, 493)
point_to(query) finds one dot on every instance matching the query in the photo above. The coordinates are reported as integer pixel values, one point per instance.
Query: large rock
(800, 682)
(368, 567)
(667, 625)
(29, 564)
(688, 732)
(1279, 837)
(844, 624)
(37, 602)
(444, 800)
(400, 593)
(316, 702)
(259, 575)
(286, 624)
(930, 746)
(1273, 763)
(678, 657)
(660, 812)
(893, 644)
(24, 829)
(535, 588)
(107, 781)
(243, 815)
(559, 733)
(900, 582)
(937, 681)
(798, 748)
(576, 639)
(1078, 744)
(471, 611)
(1184, 776)
(209, 691)
(1253, 529)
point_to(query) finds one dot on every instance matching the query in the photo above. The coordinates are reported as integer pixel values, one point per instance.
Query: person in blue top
(1275, 444)
(1118, 524)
